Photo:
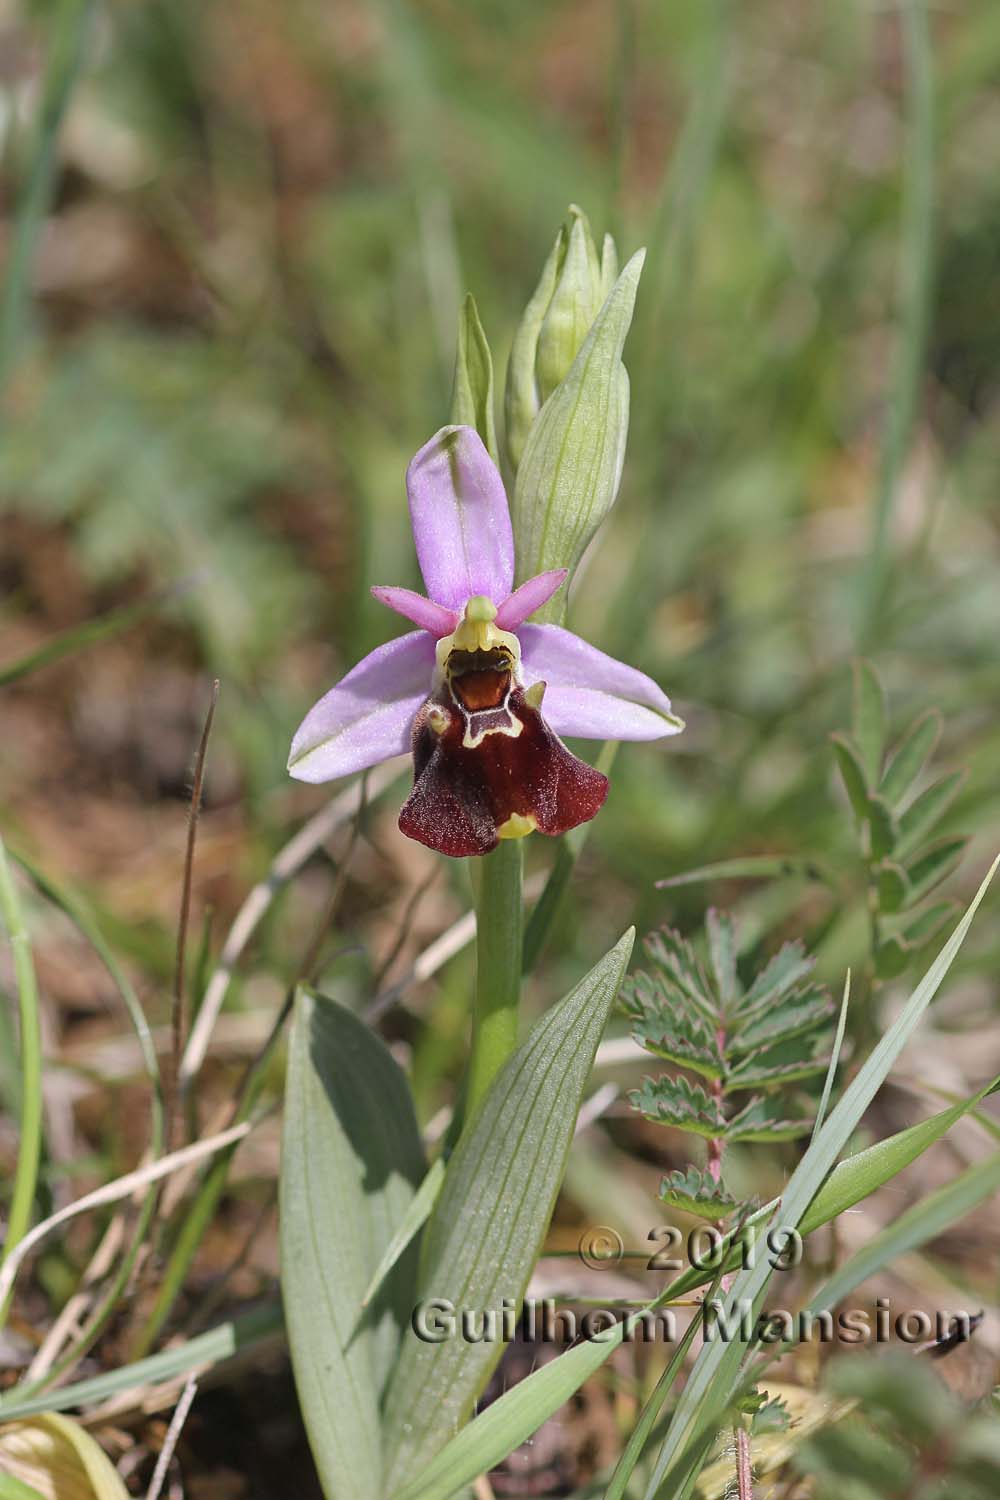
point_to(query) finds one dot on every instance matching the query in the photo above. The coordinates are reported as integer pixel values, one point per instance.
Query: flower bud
(571, 463)
(521, 400)
(575, 302)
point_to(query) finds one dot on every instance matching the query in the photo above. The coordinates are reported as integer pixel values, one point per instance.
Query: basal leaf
(852, 773)
(484, 1235)
(908, 761)
(674, 1101)
(869, 718)
(351, 1162)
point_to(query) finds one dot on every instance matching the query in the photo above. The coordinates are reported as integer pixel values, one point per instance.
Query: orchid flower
(464, 691)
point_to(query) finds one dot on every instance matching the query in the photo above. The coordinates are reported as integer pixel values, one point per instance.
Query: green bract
(567, 401)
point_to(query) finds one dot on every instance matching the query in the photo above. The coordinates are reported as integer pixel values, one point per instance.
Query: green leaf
(674, 1101)
(785, 1062)
(696, 1192)
(777, 979)
(675, 959)
(909, 759)
(666, 1031)
(722, 950)
(891, 957)
(930, 923)
(749, 867)
(936, 1214)
(508, 1422)
(717, 1370)
(472, 394)
(927, 810)
(892, 885)
(932, 865)
(410, 1225)
(56, 1456)
(483, 1238)
(800, 1012)
(351, 1163)
(852, 773)
(767, 1120)
(883, 827)
(869, 718)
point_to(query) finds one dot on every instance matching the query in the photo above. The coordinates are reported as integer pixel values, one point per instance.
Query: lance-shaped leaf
(798, 1013)
(883, 827)
(927, 810)
(571, 467)
(869, 718)
(852, 773)
(722, 951)
(472, 395)
(674, 1101)
(696, 1192)
(930, 923)
(891, 957)
(483, 1238)
(351, 1161)
(933, 865)
(908, 761)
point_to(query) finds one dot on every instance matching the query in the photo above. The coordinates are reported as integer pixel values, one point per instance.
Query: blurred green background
(230, 321)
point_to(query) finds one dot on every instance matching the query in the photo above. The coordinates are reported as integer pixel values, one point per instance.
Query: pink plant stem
(744, 1468)
(715, 1143)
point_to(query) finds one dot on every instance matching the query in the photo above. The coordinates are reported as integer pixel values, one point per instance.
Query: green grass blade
(238, 1336)
(30, 1124)
(79, 637)
(932, 1216)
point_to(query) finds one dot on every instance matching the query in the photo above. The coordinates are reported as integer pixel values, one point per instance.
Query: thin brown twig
(405, 928)
(179, 1018)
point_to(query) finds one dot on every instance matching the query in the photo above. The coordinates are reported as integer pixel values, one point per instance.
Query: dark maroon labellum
(483, 755)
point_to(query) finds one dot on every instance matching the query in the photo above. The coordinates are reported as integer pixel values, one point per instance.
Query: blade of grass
(831, 1071)
(80, 636)
(61, 74)
(30, 1124)
(916, 270)
(200, 1353)
(89, 930)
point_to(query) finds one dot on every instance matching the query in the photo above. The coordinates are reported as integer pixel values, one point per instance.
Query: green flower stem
(30, 1142)
(499, 924)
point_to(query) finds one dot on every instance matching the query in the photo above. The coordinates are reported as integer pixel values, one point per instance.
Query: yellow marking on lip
(517, 826)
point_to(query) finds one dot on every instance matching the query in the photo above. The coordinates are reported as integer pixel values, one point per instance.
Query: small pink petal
(529, 597)
(461, 521)
(590, 694)
(423, 612)
(368, 716)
